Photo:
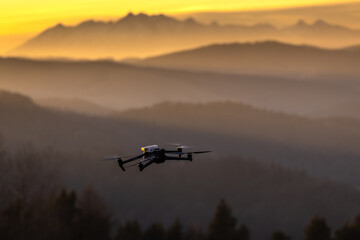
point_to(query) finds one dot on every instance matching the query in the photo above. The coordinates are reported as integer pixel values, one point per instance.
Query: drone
(155, 154)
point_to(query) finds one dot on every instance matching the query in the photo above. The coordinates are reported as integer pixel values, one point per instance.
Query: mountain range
(344, 13)
(146, 35)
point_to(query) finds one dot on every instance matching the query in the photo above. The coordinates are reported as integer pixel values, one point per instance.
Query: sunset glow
(21, 19)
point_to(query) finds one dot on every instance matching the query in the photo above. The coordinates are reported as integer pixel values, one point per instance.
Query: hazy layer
(120, 86)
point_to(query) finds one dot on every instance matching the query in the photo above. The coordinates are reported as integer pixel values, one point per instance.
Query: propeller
(179, 145)
(113, 158)
(199, 152)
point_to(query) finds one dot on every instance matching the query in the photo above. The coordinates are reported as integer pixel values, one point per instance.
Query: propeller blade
(174, 144)
(199, 152)
(181, 153)
(184, 147)
(179, 145)
(112, 158)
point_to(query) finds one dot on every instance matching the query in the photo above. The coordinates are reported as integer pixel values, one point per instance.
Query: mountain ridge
(265, 58)
(144, 35)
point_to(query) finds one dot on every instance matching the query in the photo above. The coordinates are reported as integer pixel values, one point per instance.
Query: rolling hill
(74, 105)
(121, 86)
(354, 48)
(263, 196)
(146, 35)
(264, 58)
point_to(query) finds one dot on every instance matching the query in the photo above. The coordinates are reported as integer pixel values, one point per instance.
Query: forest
(35, 205)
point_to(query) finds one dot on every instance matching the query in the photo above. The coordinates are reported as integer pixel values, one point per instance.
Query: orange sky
(22, 19)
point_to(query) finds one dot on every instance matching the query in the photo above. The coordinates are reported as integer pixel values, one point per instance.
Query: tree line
(68, 216)
(33, 206)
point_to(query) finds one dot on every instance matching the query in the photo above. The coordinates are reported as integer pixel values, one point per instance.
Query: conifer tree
(194, 233)
(349, 231)
(242, 233)
(317, 229)
(155, 232)
(131, 230)
(223, 223)
(279, 235)
(174, 232)
(93, 219)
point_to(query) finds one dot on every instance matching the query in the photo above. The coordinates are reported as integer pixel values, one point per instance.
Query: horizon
(21, 24)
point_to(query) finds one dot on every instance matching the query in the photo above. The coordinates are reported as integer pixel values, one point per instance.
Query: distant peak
(191, 21)
(130, 14)
(86, 23)
(320, 22)
(301, 23)
(142, 15)
(145, 18)
(59, 25)
(133, 17)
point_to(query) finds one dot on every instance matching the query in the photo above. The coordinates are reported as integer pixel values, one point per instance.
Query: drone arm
(173, 151)
(133, 158)
(188, 158)
(121, 162)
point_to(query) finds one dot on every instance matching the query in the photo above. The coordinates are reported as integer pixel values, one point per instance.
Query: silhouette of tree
(12, 221)
(317, 229)
(223, 224)
(3, 173)
(28, 174)
(93, 220)
(66, 215)
(130, 231)
(174, 232)
(279, 235)
(155, 232)
(349, 232)
(242, 233)
(2, 148)
(194, 233)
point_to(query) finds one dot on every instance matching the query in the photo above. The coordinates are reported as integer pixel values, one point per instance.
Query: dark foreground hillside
(265, 197)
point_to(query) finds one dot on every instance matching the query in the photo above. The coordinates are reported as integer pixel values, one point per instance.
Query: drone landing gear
(143, 166)
(121, 164)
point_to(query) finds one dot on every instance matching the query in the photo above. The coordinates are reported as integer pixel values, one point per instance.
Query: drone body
(155, 154)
